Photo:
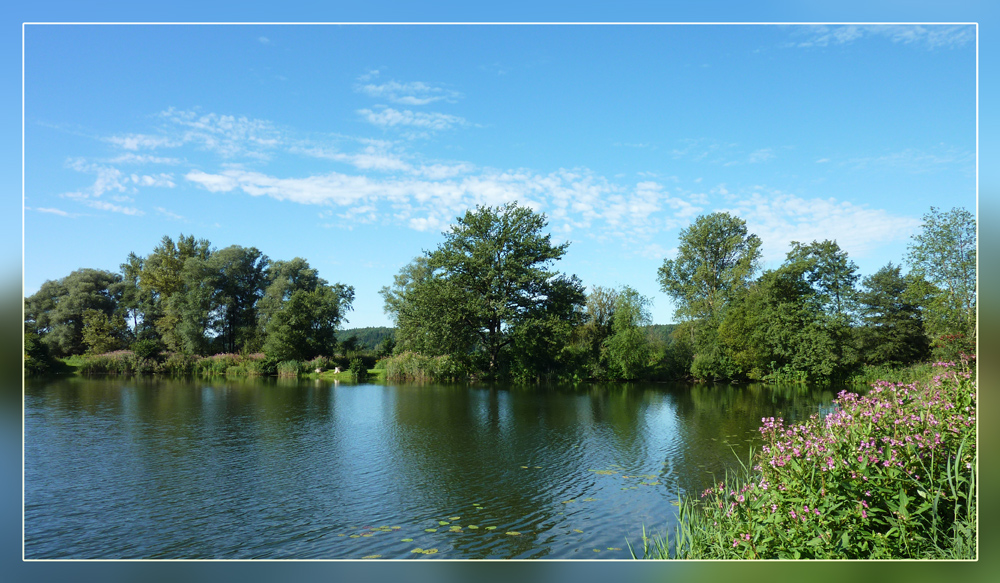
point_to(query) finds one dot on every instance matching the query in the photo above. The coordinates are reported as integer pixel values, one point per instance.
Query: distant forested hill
(661, 331)
(368, 338)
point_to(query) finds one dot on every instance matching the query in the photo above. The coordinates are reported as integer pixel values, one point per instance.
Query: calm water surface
(154, 468)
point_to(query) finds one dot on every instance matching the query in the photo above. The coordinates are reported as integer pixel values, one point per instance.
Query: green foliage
(289, 368)
(370, 338)
(358, 370)
(628, 350)
(412, 366)
(163, 278)
(300, 312)
(830, 274)
(147, 349)
(238, 277)
(103, 332)
(37, 360)
(469, 297)
(716, 258)
(943, 254)
(56, 311)
(887, 476)
(893, 331)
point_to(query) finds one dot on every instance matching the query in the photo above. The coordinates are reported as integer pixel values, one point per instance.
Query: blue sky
(355, 146)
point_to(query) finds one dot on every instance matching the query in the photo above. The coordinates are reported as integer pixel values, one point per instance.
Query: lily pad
(578, 530)
(406, 540)
(455, 518)
(491, 528)
(614, 548)
(597, 550)
(524, 467)
(455, 529)
(430, 530)
(473, 527)
(476, 504)
(590, 499)
(355, 536)
(368, 534)
(443, 522)
(568, 501)
(372, 557)
(604, 472)
(513, 533)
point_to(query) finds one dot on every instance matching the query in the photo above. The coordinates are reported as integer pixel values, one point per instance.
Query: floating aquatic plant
(513, 533)
(372, 557)
(491, 528)
(430, 530)
(473, 526)
(406, 540)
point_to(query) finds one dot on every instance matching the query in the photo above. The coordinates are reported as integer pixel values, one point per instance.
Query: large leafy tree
(892, 331)
(491, 275)
(831, 274)
(240, 277)
(56, 311)
(162, 278)
(943, 254)
(627, 350)
(431, 315)
(300, 312)
(717, 258)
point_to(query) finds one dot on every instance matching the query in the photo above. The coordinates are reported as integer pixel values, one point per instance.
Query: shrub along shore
(888, 475)
(128, 363)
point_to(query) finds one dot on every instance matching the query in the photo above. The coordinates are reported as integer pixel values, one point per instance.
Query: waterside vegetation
(888, 475)
(489, 304)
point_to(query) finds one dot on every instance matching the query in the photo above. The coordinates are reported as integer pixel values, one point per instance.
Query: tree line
(188, 297)
(489, 300)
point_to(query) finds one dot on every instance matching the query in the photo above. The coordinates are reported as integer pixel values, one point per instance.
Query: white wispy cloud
(227, 135)
(142, 159)
(107, 206)
(388, 118)
(779, 218)
(410, 93)
(159, 180)
(169, 214)
(53, 211)
(918, 161)
(929, 36)
(143, 141)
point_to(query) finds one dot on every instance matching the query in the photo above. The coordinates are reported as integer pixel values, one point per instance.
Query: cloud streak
(391, 118)
(927, 36)
(411, 93)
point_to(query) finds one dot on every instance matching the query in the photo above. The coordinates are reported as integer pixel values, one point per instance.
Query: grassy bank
(889, 475)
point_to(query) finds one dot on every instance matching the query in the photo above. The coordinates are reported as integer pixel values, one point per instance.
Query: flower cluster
(871, 478)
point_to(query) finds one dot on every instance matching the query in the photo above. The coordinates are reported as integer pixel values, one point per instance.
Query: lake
(304, 469)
